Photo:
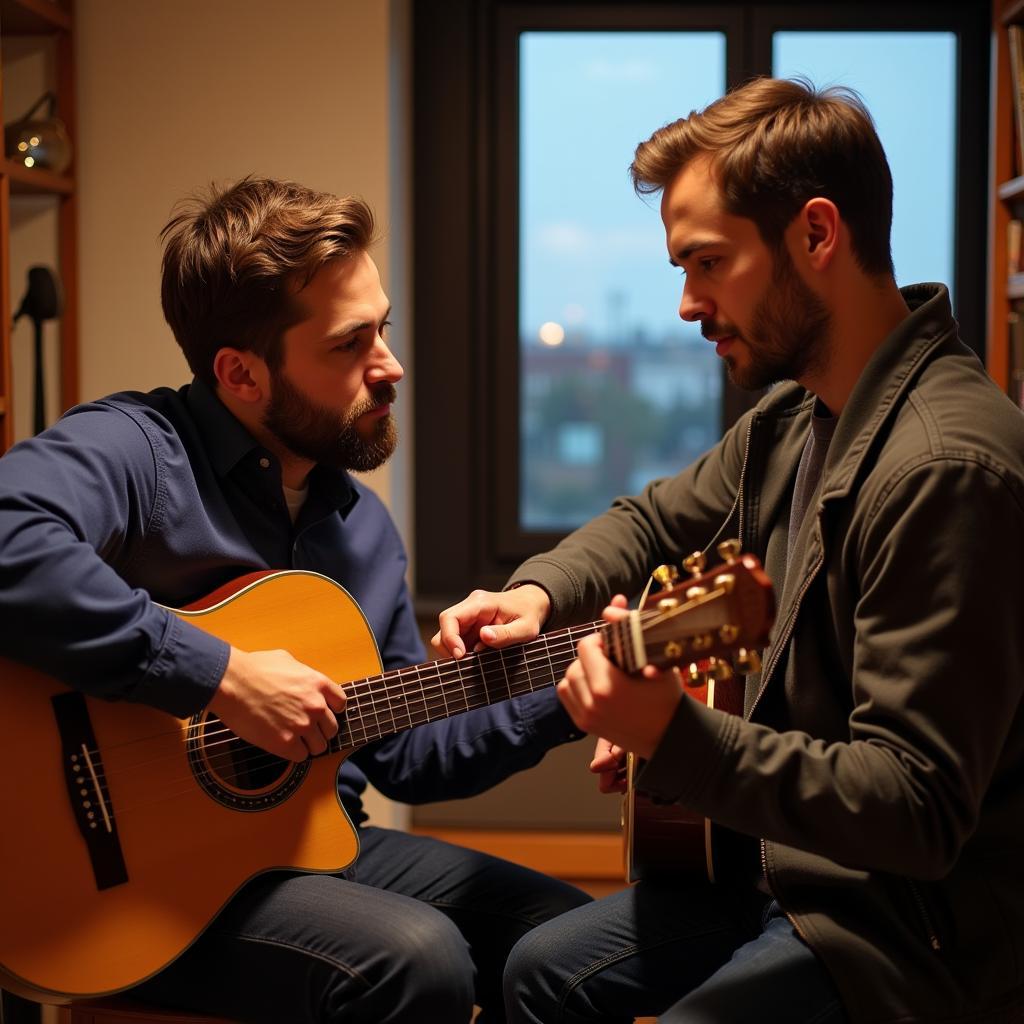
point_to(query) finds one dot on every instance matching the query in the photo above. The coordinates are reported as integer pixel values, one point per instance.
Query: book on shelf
(1015, 321)
(1015, 37)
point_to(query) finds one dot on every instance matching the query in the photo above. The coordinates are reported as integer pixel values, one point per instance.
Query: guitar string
(425, 704)
(465, 665)
(122, 812)
(397, 681)
(423, 700)
(420, 703)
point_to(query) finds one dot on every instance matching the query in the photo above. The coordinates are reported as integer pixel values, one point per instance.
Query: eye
(385, 329)
(707, 263)
(347, 346)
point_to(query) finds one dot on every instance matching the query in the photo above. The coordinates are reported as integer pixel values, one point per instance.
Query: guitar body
(665, 838)
(127, 830)
(192, 822)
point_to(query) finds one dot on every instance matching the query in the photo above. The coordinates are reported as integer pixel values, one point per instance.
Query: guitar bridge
(87, 791)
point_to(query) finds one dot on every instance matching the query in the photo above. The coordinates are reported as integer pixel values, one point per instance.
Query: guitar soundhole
(236, 773)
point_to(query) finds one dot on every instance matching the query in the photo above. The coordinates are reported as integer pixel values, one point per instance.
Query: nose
(383, 366)
(694, 306)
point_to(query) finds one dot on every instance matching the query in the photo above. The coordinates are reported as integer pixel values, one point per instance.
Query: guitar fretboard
(389, 703)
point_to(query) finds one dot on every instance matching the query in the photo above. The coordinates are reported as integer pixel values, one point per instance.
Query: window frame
(465, 242)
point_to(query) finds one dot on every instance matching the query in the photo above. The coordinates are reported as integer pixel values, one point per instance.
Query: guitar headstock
(725, 611)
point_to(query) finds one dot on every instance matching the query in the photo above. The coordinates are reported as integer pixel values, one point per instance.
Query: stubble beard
(792, 328)
(312, 431)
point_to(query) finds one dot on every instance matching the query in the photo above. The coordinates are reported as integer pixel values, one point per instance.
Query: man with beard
(164, 497)
(871, 790)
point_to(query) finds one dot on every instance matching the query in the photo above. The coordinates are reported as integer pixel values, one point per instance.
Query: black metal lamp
(42, 301)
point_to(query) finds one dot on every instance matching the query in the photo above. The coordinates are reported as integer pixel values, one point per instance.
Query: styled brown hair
(776, 143)
(234, 260)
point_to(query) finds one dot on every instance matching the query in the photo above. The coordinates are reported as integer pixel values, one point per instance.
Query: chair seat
(122, 1010)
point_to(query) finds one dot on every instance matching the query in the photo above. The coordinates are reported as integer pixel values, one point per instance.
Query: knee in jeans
(531, 968)
(436, 969)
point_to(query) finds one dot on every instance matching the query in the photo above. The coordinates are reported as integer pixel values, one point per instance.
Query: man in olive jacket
(878, 767)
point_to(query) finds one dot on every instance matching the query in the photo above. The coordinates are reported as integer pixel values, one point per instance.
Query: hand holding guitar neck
(736, 607)
(729, 609)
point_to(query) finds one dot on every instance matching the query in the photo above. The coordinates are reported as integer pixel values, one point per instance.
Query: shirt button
(264, 463)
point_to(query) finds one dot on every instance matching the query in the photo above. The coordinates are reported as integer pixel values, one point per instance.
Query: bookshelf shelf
(30, 181)
(1012, 12)
(1012, 190)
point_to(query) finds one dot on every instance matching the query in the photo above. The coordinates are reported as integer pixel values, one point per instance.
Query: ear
(242, 375)
(819, 232)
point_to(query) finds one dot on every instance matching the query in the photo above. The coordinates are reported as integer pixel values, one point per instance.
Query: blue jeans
(417, 931)
(689, 953)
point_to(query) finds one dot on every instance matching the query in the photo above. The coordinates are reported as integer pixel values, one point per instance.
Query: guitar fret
(391, 711)
(501, 661)
(462, 685)
(444, 696)
(441, 689)
(357, 706)
(378, 731)
(408, 703)
(547, 650)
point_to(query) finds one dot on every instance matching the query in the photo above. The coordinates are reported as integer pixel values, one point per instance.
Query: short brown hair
(234, 258)
(776, 143)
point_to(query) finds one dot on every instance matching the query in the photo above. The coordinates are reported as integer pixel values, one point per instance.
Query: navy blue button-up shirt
(143, 500)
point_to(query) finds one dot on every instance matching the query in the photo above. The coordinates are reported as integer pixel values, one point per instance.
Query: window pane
(615, 389)
(908, 81)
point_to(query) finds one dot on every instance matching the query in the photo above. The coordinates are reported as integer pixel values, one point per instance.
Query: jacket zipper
(926, 919)
(789, 917)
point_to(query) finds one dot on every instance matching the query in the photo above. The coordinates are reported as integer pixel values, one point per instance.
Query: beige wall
(174, 94)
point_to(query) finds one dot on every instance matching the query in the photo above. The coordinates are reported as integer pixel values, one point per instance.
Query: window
(551, 369)
(613, 389)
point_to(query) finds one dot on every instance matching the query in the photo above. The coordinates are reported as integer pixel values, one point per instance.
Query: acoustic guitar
(126, 830)
(667, 838)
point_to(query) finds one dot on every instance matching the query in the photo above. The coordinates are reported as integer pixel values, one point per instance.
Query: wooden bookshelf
(48, 20)
(1006, 193)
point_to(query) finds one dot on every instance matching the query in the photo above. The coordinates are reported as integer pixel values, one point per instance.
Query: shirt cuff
(546, 720)
(186, 672)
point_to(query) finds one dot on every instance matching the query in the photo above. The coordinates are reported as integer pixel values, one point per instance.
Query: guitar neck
(389, 703)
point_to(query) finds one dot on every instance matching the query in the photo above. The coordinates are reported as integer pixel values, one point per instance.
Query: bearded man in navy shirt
(140, 501)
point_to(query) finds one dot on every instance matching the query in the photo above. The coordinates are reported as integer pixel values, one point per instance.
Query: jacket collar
(881, 385)
(889, 374)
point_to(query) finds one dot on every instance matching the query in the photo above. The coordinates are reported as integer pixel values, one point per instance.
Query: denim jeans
(417, 931)
(688, 954)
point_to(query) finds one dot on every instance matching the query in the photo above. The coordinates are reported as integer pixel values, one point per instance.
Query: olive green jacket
(880, 758)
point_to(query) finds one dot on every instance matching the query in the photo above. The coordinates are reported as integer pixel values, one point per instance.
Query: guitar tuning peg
(748, 661)
(719, 670)
(666, 575)
(694, 564)
(729, 550)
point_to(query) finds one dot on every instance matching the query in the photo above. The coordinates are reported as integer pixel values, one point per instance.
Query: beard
(792, 328)
(326, 437)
